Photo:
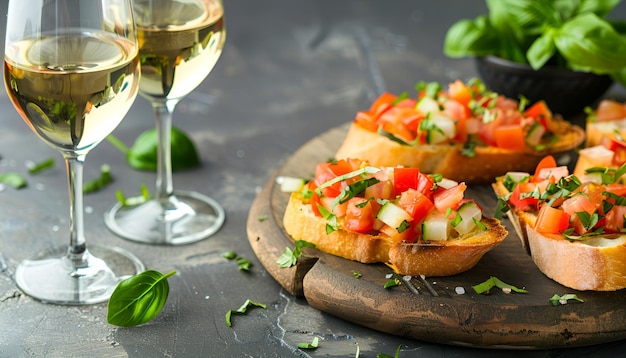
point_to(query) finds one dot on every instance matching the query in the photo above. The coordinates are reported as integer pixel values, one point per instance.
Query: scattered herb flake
(312, 345)
(289, 258)
(392, 282)
(105, 179)
(383, 355)
(493, 281)
(13, 179)
(243, 263)
(262, 218)
(242, 310)
(133, 200)
(357, 274)
(35, 168)
(562, 300)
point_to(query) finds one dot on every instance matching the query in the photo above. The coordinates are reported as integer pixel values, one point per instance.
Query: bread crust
(444, 258)
(448, 160)
(597, 264)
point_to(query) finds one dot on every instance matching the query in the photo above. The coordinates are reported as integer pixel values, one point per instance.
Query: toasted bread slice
(448, 160)
(441, 258)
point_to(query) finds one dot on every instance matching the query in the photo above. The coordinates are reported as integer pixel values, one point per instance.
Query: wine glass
(179, 43)
(71, 69)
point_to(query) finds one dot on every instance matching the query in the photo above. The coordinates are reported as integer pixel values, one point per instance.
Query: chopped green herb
(392, 282)
(13, 179)
(41, 166)
(561, 300)
(242, 310)
(105, 179)
(262, 218)
(289, 258)
(312, 345)
(484, 287)
(357, 274)
(134, 200)
(383, 355)
(243, 263)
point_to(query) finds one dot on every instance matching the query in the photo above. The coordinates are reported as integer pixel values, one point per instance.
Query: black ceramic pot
(566, 92)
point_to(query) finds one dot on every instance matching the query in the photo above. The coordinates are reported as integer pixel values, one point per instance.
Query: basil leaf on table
(143, 153)
(138, 299)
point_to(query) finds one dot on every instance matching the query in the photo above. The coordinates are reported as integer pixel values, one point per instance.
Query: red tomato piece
(540, 111)
(459, 92)
(547, 162)
(449, 198)
(614, 219)
(359, 218)
(527, 203)
(366, 120)
(510, 137)
(416, 204)
(405, 178)
(551, 220)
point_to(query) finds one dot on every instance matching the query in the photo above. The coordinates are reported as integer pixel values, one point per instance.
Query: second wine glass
(180, 42)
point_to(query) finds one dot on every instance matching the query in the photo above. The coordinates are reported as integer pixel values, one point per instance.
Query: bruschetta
(416, 223)
(465, 132)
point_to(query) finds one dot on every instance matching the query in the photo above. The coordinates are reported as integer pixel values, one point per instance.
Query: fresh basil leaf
(471, 38)
(143, 154)
(138, 299)
(541, 50)
(590, 43)
(242, 310)
(493, 281)
(13, 179)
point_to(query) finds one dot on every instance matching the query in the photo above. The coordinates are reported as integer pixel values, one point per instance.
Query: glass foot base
(52, 278)
(193, 217)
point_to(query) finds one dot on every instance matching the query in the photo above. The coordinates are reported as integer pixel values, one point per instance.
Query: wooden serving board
(436, 313)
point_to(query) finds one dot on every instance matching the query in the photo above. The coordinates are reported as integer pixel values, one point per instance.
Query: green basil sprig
(138, 299)
(569, 34)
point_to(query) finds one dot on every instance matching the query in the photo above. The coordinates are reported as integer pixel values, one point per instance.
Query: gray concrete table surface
(290, 71)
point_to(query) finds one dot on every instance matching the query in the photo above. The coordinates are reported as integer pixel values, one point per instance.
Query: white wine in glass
(71, 70)
(180, 42)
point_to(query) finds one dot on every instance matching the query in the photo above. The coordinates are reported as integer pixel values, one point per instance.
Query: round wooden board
(436, 313)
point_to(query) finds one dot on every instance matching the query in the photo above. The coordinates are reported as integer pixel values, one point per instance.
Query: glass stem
(164, 183)
(77, 251)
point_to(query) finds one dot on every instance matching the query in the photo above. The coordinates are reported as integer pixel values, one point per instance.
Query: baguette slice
(597, 264)
(448, 160)
(443, 258)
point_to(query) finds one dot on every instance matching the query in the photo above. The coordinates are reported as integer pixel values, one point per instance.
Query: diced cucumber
(427, 105)
(435, 227)
(535, 134)
(392, 215)
(440, 129)
(290, 184)
(468, 212)
(517, 177)
(447, 183)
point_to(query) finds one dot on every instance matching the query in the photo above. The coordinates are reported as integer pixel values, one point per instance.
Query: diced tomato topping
(360, 215)
(609, 110)
(527, 202)
(449, 198)
(405, 178)
(315, 201)
(459, 92)
(366, 120)
(618, 148)
(578, 203)
(416, 204)
(551, 220)
(614, 219)
(617, 189)
(546, 162)
(408, 235)
(540, 111)
(510, 137)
